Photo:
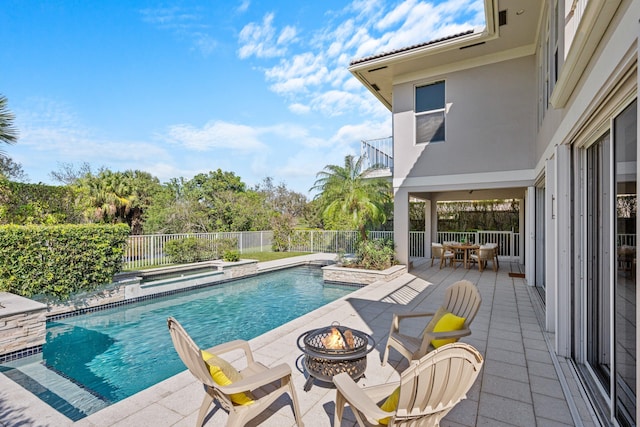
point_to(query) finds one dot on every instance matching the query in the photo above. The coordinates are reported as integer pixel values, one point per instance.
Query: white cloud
(205, 43)
(396, 15)
(260, 40)
(298, 108)
(244, 6)
(216, 134)
(173, 18)
(298, 73)
(317, 77)
(184, 23)
(287, 35)
(335, 103)
(361, 132)
(52, 133)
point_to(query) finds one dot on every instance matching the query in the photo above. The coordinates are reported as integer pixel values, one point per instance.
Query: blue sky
(176, 88)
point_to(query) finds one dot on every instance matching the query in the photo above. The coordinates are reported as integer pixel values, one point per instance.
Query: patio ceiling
(475, 194)
(517, 37)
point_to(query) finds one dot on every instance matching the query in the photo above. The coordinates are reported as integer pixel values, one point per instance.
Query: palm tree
(114, 197)
(8, 133)
(347, 192)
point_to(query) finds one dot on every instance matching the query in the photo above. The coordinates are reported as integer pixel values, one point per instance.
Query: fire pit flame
(332, 350)
(334, 340)
(337, 340)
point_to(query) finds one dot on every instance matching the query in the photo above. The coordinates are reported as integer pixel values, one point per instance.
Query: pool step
(75, 402)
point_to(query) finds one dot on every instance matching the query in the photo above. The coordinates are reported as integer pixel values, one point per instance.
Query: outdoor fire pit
(332, 350)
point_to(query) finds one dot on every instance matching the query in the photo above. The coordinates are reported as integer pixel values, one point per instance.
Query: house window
(430, 109)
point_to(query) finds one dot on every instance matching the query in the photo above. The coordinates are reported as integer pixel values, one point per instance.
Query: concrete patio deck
(522, 383)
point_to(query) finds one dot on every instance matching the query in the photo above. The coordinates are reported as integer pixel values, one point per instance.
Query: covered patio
(522, 383)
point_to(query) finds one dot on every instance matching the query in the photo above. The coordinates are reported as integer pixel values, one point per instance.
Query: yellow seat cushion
(447, 323)
(223, 373)
(390, 405)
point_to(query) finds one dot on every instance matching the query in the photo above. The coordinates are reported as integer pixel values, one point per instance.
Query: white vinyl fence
(148, 250)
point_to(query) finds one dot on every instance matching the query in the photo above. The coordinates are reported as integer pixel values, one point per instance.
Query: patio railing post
(512, 245)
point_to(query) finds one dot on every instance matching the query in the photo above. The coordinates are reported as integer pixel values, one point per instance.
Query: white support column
(401, 224)
(522, 229)
(528, 235)
(551, 208)
(563, 233)
(427, 228)
(434, 221)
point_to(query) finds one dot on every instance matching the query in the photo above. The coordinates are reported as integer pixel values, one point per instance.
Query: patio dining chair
(496, 249)
(440, 252)
(436, 251)
(448, 324)
(427, 391)
(482, 255)
(452, 252)
(243, 394)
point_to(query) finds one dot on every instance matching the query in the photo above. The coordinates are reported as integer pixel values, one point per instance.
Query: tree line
(209, 202)
(347, 198)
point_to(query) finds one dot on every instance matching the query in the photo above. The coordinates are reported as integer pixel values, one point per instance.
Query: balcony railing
(377, 153)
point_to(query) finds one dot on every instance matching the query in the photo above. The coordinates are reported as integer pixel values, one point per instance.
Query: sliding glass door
(625, 141)
(598, 292)
(610, 285)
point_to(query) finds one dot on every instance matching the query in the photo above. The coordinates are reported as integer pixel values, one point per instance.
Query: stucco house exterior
(541, 106)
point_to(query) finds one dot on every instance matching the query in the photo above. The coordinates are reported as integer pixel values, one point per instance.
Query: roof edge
(410, 48)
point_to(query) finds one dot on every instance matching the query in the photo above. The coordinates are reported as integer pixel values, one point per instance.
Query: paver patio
(522, 383)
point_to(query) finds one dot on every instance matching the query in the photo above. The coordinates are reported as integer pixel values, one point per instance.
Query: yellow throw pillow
(223, 373)
(434, 320)
(390, 405)
(447, 323)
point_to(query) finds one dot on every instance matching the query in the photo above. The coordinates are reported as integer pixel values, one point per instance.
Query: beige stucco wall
(490, 125)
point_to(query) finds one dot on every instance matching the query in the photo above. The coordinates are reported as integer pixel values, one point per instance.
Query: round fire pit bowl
(323, 361)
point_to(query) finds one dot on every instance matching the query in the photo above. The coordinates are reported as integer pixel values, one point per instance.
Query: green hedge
(194, 249)
(59, 260)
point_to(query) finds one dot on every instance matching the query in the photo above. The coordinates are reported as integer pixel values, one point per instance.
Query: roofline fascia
(428, 50)
(515, 53)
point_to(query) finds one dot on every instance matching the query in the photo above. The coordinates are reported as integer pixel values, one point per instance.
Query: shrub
(59, 260)
(231, 256)
(189, 249)
(194, 249)
(224, 245)
(375, 254)
(282, 226)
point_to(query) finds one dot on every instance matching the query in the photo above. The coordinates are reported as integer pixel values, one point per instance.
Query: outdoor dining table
(463, 248)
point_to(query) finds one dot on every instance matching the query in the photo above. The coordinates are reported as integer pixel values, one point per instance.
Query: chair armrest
(448, 334)
(397, 318)
(357, 398)
(258, 380)
(233, 345)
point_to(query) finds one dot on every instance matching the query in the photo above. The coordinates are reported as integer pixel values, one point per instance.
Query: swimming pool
(93, 360)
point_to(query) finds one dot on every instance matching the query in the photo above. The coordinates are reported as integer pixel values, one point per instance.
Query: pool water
(99, 358)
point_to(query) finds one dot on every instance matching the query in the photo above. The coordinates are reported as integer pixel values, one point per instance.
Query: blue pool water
(115, 353)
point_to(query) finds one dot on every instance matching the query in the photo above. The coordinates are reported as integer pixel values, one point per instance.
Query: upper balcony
(377, 155)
